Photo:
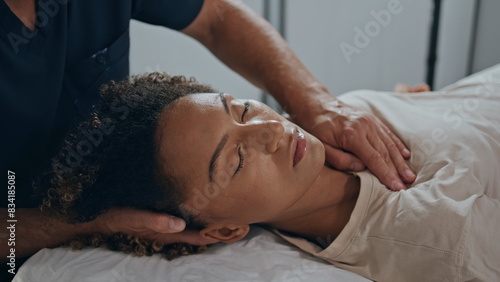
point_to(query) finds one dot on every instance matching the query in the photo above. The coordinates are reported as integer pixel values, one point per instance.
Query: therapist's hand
(355, 140)
(148, 225)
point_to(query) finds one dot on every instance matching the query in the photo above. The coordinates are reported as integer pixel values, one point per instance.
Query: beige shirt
(446, 227)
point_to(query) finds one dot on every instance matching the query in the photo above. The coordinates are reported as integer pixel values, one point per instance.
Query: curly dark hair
(111, 159)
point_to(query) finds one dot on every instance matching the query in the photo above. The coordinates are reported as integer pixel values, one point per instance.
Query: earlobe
(227, 234)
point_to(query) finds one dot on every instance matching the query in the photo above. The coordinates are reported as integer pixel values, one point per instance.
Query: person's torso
(50, 77)
(454, 137)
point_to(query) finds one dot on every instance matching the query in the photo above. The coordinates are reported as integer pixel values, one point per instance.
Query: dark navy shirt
(51, 76)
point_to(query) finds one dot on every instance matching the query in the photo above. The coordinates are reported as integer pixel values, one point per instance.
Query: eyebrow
(224, 102)
(220, 146)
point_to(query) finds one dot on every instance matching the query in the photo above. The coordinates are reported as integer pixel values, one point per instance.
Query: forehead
(189, 131)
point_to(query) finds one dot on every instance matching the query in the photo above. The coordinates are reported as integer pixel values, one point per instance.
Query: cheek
(272, 183)
(316, 151)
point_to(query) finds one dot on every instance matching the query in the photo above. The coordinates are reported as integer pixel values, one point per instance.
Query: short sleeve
(174, 14)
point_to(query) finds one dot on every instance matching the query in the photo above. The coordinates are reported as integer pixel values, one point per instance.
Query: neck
(322, 213)
(25, 10)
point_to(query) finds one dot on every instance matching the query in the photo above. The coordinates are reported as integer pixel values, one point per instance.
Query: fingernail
(357, 166)
(177, 224)
(406, 152)
(398, 185)
(409, 174)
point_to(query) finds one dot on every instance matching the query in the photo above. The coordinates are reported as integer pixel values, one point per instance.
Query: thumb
(342, 160)
(163, 223)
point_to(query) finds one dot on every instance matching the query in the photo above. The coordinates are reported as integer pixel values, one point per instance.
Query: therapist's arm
(32, 232)
(35, 230)
(249, 45)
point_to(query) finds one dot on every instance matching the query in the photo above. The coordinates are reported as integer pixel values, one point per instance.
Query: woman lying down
(172, 145)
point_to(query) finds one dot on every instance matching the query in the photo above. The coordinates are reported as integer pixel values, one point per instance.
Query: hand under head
(153, 146)
(109, 159)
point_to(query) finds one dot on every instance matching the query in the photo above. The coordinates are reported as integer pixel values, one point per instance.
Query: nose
(264, 135)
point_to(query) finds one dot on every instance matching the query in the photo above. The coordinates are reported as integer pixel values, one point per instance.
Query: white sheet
(261, 256)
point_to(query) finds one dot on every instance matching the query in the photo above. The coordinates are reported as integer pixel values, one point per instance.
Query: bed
(261, 256)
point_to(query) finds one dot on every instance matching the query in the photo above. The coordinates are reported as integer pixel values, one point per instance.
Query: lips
(300, 148)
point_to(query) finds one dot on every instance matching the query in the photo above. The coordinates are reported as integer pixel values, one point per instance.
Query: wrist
(90, 227)
(48, 229)
(310, 101)
(98, 225)
(53, 225)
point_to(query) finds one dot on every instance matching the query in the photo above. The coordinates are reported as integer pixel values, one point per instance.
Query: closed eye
(247, 106)
(240, 164)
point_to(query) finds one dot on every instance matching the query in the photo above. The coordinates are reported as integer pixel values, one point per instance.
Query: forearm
(252, 47)
(33, 231)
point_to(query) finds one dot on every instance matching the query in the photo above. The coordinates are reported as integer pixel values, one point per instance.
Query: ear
(225, 233)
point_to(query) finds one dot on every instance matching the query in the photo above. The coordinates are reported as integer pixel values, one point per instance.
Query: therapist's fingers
(135, 221)
(342, 160)
(149, 225)
(399, 144)
(163, 223)
(372, 151)
(378, 166)
(396, 151)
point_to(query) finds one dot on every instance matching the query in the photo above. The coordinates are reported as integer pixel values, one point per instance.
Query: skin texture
(260, 55)
(267, 187)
